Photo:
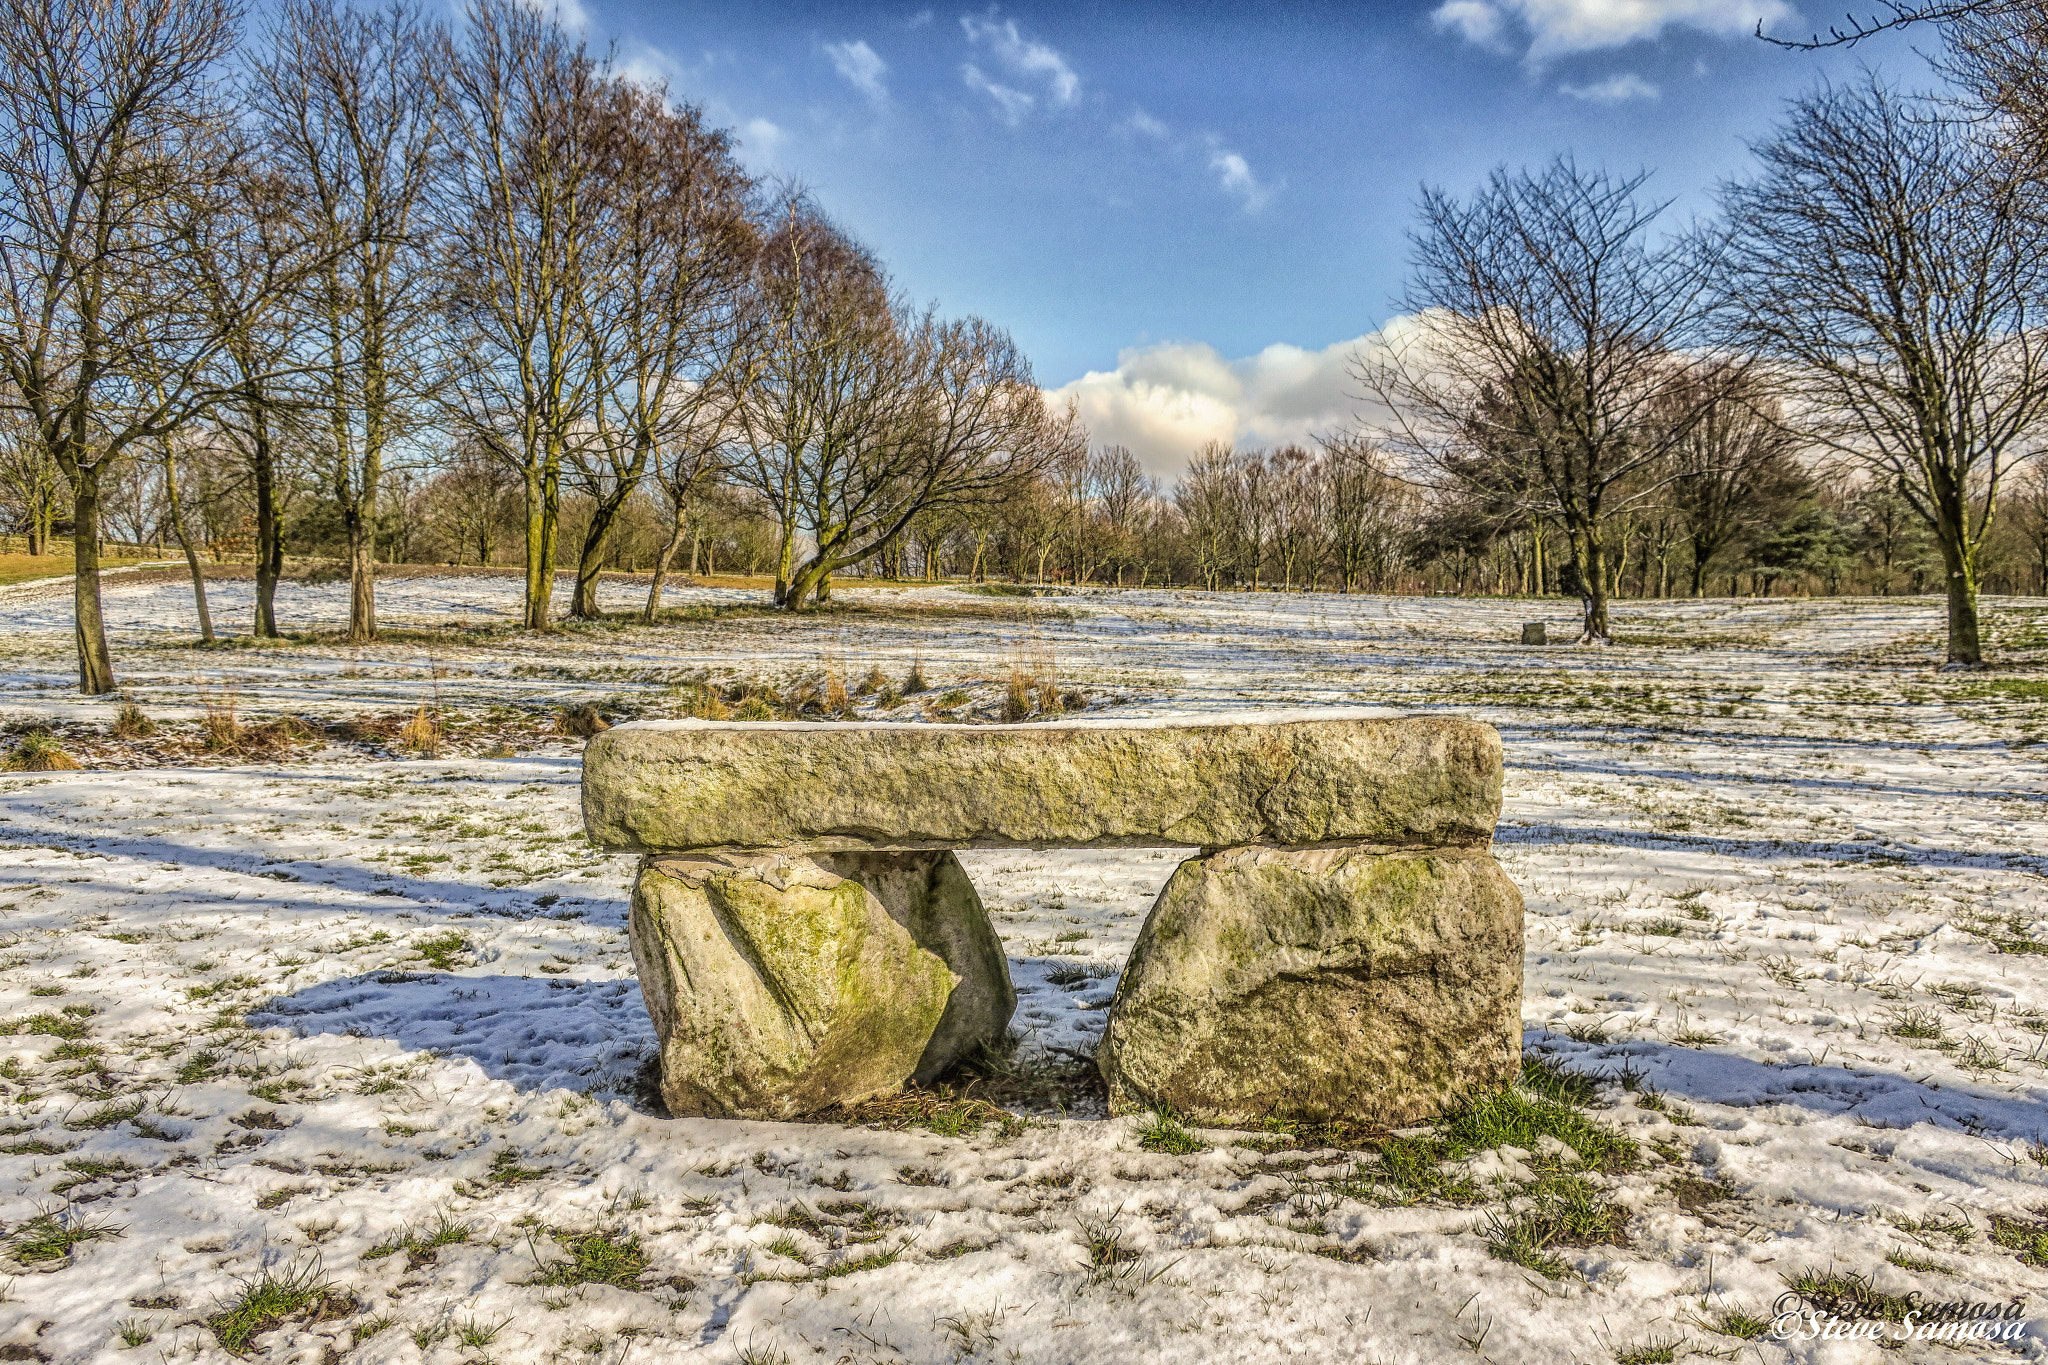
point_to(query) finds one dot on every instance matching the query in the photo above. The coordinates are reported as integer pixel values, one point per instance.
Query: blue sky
(1188, 213)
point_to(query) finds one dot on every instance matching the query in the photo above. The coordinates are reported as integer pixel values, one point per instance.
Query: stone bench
(1341, 946)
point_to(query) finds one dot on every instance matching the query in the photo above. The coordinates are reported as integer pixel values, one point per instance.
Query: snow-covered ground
(333, 1020)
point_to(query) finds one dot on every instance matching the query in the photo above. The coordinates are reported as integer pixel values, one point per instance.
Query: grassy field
(15, 568)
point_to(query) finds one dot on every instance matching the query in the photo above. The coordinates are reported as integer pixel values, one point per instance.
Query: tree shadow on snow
(536, 1033)
(1841, 851)
(1875, 1098)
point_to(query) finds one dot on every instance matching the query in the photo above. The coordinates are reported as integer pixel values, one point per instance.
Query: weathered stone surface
(1372, 986)
(778, 988)
(1253, 779)
(930, 895)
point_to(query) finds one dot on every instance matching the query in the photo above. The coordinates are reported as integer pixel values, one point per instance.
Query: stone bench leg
(781, 984)
(1369, 985)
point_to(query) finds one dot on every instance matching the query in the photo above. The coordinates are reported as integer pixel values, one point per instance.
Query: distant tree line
(353, 283)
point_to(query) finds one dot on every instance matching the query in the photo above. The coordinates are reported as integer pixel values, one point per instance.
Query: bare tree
(351, 103)
(665, 323)
(1367, 507)
(1549, 327)
(31, 486)
(1731, 470)
(1884, 261)
(523, 232)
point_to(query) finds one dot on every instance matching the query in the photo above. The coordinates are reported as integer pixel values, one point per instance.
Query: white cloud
(1165, 401)
(759, 142)
(1557, 27)
(1613, 90)
(1011, 105)
(1143, 123)
(861, 67)
(1234, 174)
(1476, 20)
(1023, 58)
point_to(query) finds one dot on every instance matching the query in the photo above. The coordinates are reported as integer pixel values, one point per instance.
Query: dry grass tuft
(833, 695)
(132, 722)
(1017, 696)
(581, 721)
(38, 752)
(421, 735)
(222, 726)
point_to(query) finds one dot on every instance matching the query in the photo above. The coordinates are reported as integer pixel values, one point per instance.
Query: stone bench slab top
(1286, 778)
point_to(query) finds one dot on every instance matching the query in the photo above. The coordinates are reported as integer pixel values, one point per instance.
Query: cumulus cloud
(1024, 59)
(1613, 90)
(1234, 174)
(1165, 401)
(1555, 28)
(861, 67)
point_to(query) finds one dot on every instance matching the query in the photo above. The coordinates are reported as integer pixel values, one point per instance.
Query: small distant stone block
(1533, 633)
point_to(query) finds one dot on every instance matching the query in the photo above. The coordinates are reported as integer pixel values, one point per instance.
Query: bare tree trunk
(661, 562)
(362, 580)
(269, 535)
(590, 561)
(542, 511)
(177, 512)
(1964, 647)
(1593, 583)
(95, 662)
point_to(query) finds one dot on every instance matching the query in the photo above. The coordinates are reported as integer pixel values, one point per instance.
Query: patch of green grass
(2030, 1240)
(420, 1246)
(1545, 1103)
(35, 1147)
(84, 1171)
(506, 1170)
(269, 1300)
(1564, 1210)
(600, 1257)
(107, 1115)
(2008, 689)
(1654, 1352)
(1916, 1024)
(1735, 1323)
(50, 1237)
(476, 1335)
(213, 988)
(363, 1331)
(789, 1248)
(940, 1111)
(1848, 1295)
(1919, 1265)
(46, 1025)
(198, 1067)
(134, 1332)
(1163, 1132)
(853, 1265)
(441, 950)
